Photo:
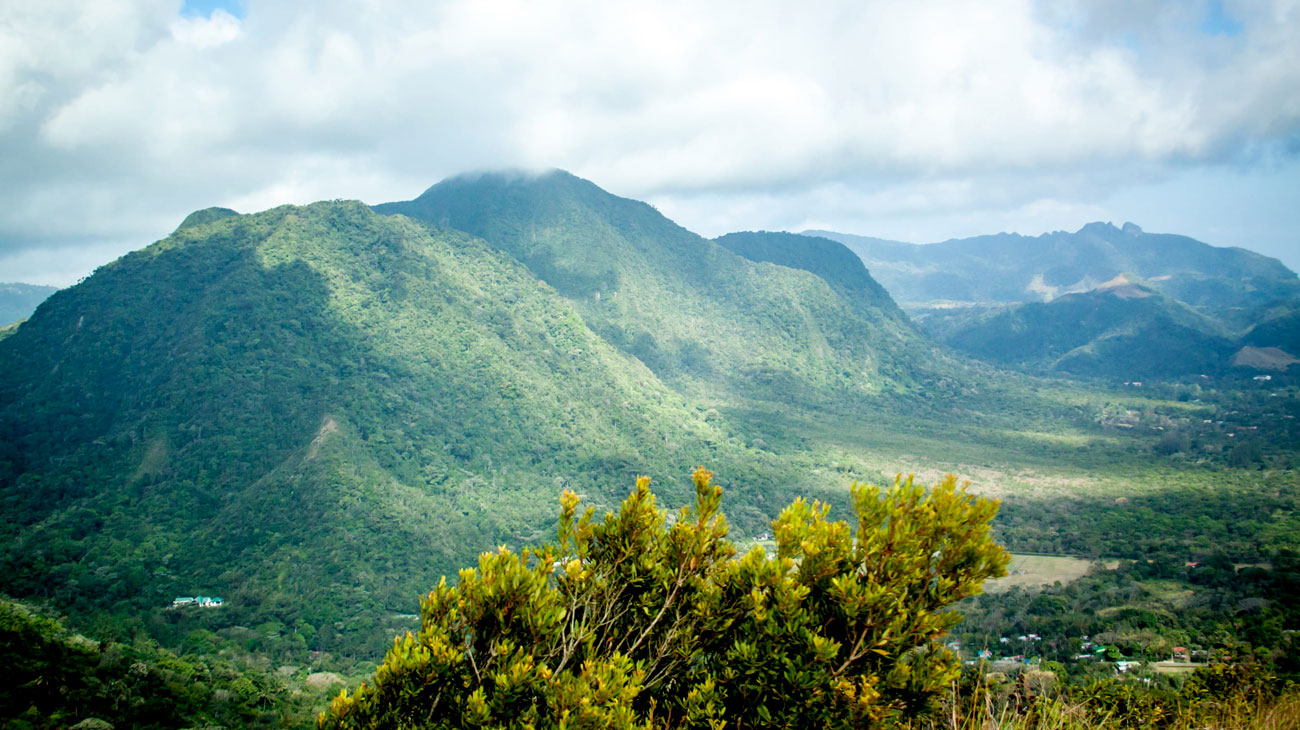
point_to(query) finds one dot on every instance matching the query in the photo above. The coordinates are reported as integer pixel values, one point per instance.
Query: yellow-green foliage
(638, 620)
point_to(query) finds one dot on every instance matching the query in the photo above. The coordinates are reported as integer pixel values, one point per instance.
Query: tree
(639, 621)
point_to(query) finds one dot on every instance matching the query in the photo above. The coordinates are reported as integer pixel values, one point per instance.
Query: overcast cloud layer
(912, 120)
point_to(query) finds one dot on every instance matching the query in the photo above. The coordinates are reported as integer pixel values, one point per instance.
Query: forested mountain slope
(831, 260)
(1122, 330)
(1276, 326)
(319, 408)
(704, 319)
(315, 412)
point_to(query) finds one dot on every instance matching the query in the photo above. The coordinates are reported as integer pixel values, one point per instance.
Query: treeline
(52, 678)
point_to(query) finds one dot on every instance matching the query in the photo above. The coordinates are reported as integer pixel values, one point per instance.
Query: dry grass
(1281, 713)
(1031, 571)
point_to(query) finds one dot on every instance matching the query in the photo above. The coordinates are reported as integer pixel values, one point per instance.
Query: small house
(201, 601)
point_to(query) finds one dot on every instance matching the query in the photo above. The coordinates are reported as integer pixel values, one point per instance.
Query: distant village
(1180, 660)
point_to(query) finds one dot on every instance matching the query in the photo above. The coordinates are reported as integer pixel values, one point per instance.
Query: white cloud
(122, 116)
(215, 30)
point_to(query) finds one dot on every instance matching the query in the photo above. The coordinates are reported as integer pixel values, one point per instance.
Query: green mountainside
(1276, 326)
(830, 260)
(317, 406)
(704, 319)
(206, 215)
(315, 412)
(1122, 330)
(1229, 283)
(18, 301)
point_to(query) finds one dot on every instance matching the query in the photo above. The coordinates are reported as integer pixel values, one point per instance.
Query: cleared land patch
(1033, 571)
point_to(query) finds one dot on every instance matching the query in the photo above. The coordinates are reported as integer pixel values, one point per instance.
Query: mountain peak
(1099, 228)
(206, 215)
(1131, 228)
(507, 178)
(513, 175)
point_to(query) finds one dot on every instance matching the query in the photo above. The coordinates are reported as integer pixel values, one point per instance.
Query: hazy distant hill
(1120, 330)
(1049, 304)
(1276, 326)
(1229, 283)
(18, 301)
(316, 411)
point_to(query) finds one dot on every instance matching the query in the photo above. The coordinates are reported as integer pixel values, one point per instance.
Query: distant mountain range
(1100, 302)
(18, 301)
(1227, 283)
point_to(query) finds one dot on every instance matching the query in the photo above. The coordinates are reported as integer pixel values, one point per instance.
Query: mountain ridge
(1122, 330)
(1226, 282)
(621, 262)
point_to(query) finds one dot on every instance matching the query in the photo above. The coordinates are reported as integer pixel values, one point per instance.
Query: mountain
(315, 412)
(1228, 283)
(1122, 330)
(321, 404)
(1099, 302)
(830, 260)
(18, 301)
(710, 322)
(1272, 343)
(206, 215)
(1276, 326)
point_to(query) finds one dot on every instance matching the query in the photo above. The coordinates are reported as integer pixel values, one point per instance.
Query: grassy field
(1029, 571)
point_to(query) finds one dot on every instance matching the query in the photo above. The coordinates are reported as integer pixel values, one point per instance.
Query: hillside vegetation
(51, 677)
(1122, 331)
(317, 411)
(711, 323)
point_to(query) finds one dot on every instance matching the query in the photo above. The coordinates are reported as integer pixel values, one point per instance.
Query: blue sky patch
(205, 7)
(1218, 22)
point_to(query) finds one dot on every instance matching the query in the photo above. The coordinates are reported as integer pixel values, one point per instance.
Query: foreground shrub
(641, 621)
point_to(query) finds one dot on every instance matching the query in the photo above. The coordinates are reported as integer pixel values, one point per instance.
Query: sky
(910, 120)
